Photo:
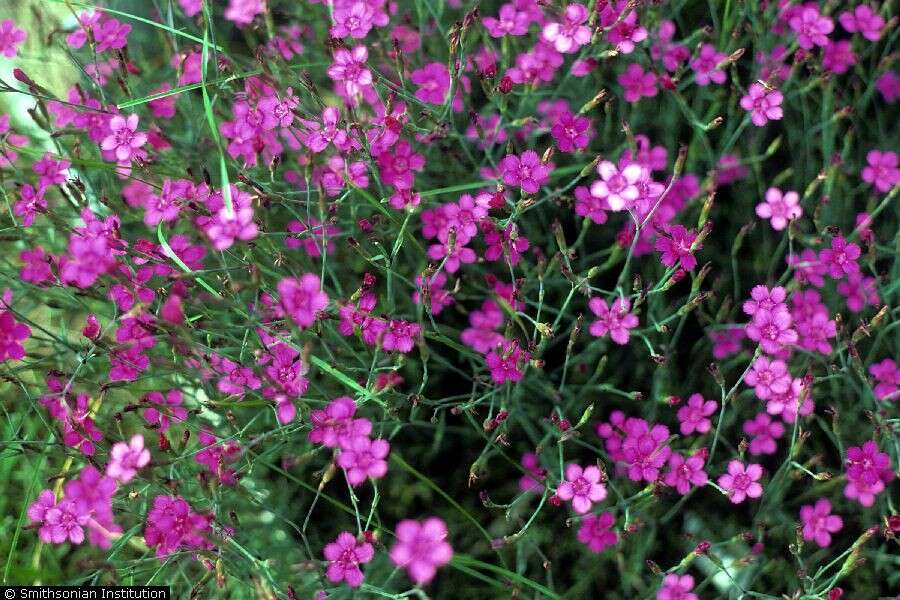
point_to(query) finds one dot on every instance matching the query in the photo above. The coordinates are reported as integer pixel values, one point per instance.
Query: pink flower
(596, 532)
(727, 341)
(509, 21)
(400, 336)
(172, 525)
(242, 12)
(764, 432)
(125, 460)
(841, 258)
(52, 172)
(693, 415)
(882, 171)
(12, 334)
(811, 27)
(619, 188)
(705, 66)
(582, 486)
(507, 362)
(615, 320)
(169, 406)
(685, 473)
(889, 86)
(111, 34)
(535, 474)
(741, 482)
(780, 208)
(363, 458)
(859, 291)
(768, 377)
(887, 374)
(354, 19)
(58, 522)
(302, 299)
(838, 57)
(421, 548)
(637, 84)
(398, 163)
(676, 587)
(336, 426)
(863, 20)
(868, 470)
(434, 82)
(763, 104)
(772, 329)
(819, 523)
(571, 33)
(10, 38)
(627, 33)
(526, 171)
(677, 247)
(190, 7)
(344, 555)
(124, 138)
(671, 54)
(349, 69)
(31, 203)
(644, 449)
(571, 132)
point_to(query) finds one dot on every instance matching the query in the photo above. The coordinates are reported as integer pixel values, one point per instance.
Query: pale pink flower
(421, 548)
(125, 460)
(780, 207)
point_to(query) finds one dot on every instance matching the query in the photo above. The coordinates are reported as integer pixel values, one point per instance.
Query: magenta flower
(819, 523)
(571, 33)
(889, 86)
(354, 19)
(685, 473)
(335, 426)
(535, 474)
(596, 532)
(772, 329)
(868, 470)
(421, 548)
(727, 341)
(863, 20)
(676, 247)
(110, 34)
(645, 449)
(615, 320)
(859, 291)
(763, 104)
(764, 299)
(12, 334)
(124, 138)
(676, 587)
(344, 555)
(582, 486)
(58, 522)
(780, 207)
(10, 38)
(363, 458)
(887, 374)
(882, 171)
(671, 54)
(812, 28)
(172, 525)
(526, 171)
(619, 188)
(242, 12)
(571, 132)
(693, 416)
(763, 431)
(838, 57)
(434, 82)
(627, 33)
(637, 84)
(507, 362)
(509, 21)
(125, 460)
(349, 69)
(705, 66)
(840, 259)
(741, 482)
(302, 299)
(768, 377)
